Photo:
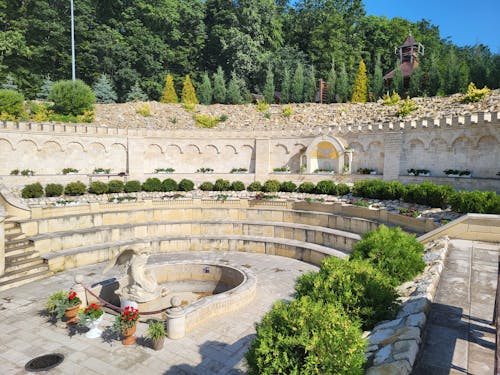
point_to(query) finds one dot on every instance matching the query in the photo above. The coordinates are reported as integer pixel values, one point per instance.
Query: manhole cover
(44, 362)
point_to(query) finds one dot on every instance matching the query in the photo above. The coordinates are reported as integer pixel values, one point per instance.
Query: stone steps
(11, 282)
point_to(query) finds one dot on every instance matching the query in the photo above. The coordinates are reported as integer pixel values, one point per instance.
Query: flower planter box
(373, 172)
(424, 175)
(452, 175)
(332, 172)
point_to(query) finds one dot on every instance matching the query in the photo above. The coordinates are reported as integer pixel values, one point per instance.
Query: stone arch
(27, 143)
(155, 148)
(486, 140)
(53, 157)
(77, 144)
(117, 157)
(174, 146)
(325, 152)
(96, 156)
(97, 146)
(247, 155)
(287, 151)
(213, 147)
(461, 152)
(6, 152)
(358, 155)
(375, 156)
(5, 144)
(75, 157)
(484, 157)
(55, 146)
(231, 147)
(415, 141)
(195, 147)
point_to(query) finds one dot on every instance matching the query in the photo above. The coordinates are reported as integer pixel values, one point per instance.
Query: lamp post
(73, 74)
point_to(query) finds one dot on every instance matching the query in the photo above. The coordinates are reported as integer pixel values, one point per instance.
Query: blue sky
(465, 22)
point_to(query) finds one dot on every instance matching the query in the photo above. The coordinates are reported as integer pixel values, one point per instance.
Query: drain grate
(44, 362)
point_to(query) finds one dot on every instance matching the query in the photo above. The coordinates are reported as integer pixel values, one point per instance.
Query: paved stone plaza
(215, 348)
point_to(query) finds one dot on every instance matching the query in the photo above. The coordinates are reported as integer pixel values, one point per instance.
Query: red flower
(72, 295)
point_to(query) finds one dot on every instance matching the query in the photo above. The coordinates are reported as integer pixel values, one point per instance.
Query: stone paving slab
(214, 348)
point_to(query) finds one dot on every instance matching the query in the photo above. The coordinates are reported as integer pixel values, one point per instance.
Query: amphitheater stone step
(22, 279)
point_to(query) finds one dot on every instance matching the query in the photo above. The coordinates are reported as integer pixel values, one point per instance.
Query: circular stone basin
(44, 362)
(206, 289)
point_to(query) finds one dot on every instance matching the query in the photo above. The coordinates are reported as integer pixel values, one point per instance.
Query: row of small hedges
(319, 331)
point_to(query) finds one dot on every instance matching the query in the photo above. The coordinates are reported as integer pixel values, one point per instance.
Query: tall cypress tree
(360, 89)
(285, 86)
(398, 82)
(310, 87)
(205, 92)
(188, 92)
(269, 89)
(234, 90)
(415, 88)
(342, 86)
(297, 94)
(103, 90)
(169, 95)
(377, 86)
(219, 86)
(331, 80)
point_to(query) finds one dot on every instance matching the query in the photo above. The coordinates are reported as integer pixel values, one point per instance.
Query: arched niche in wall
(51, 157)
(485, 157)
(6, 151)
(325, 152)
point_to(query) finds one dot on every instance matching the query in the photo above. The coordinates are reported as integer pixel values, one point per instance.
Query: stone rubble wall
(393, 345)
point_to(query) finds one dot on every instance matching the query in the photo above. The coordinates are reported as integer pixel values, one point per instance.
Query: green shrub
(54, 190)
(98, 187)
(325, 187)
(428, 194)
(482, 202)
(144, 110)
(32, 191)
(11, 104)
(186, 185)
(75, 188)
(378, 189)
(392, 251)
(115, 186)
(391, 99)
(271, 186)
(132, 186)
(206, 186)
(151, 184)
(288, 187)
(262, 106)
(205, 121)
(237, 186)
(407, 107)
(305, 337)
(342, 189)
(254, 186)
(287, 111)
(306, 187)
(474, 94)
(169, 184)
(222, 185)
(362, 290)
(71, 98)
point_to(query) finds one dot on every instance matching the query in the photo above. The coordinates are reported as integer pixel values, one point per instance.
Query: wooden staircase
(23, 264)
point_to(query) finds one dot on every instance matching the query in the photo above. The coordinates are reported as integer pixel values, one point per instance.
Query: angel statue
(142, 285)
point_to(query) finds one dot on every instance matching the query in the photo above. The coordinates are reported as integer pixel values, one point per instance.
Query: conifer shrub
(152, 184)
(54, 190)
(71, 98)
(287, 111)
(222, 185)
(11, 104)
(186, 185)
(116, 186)
(306, 337)
(237, 186)
(188, 92)
(306, 187)
(392, 251)
(325, 187)
(144, 110)
(98, 187)
(360, 89)
(75, 188)
(169, 184)
(362, 290)
(254, 186)
(205, 91)
(407, 107)
(132, 186)
(262, 105)
(32, 191)
(288, 186)
(136, 94)
(169, 95)
(391, 99)
(271, 186)
(205, 121)
(104, 91)
(474, 94)
(206, 186)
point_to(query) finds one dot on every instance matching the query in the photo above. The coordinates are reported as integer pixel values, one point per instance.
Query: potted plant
(71, 305)
(56, 304)
(69, 171)
(281, 170)
(465, 174)
(411, 172)
(204, 170)
(90, 318)
(164, 170)
(27, 172)
(15, 172)
(239, 170)
(451, 172)
(156, 333)
(126, 324)
(102, 171)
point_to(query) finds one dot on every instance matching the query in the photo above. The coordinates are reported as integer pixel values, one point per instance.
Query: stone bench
(85, 255)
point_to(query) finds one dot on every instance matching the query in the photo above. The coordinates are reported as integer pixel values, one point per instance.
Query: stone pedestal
(176, 320)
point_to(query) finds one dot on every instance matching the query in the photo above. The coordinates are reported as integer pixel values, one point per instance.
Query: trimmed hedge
(254, 186)
(152, 184)
(11, 103)
(186, 185)
(237, 186)
(306, 187)
(132, 186)
(169, 184)
(271, 186)
(288, 187)
(222, 185)
(32, 191)
(115, 186)
(54, 190)
(325, 187)
(482, 202)
(206, 186)
(75, 188)
(98, 187)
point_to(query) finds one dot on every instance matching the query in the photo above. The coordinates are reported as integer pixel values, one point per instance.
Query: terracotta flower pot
(128, 337)
(71, 314)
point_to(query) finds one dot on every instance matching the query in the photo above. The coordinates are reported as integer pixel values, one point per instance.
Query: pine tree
(188, 92)
(360, 89)
(234, 90)
(103, 90)
(342, 86)
(43, 95)
(331, 80)
(136, 94)
(285, 87)
(169, 95)
(219, 86)
(269, 89)
(377, 86)
(9, 83)
(415, 88)
(205, 91)
(310, 88)
(297, 92)
(398, 82)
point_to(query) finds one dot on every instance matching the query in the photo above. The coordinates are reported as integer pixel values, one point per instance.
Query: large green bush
(222, 185)
(254, 186)
(152, 184)
(342, 189)
(32, 191)
(288, 186)
(362, 290)
(392, 251)
(186, 185)
(306, 187)
(428, 194)
(132, 186)
(378, 189)
(237, 186)
(325, 187)
(116, 186)
(169, 184)
(206, 186)
(71, 98)
(11, 103)
(305, 337)
(75, 188)
(482, 202)
(54, 190)
(271, 186)
(98, 187)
